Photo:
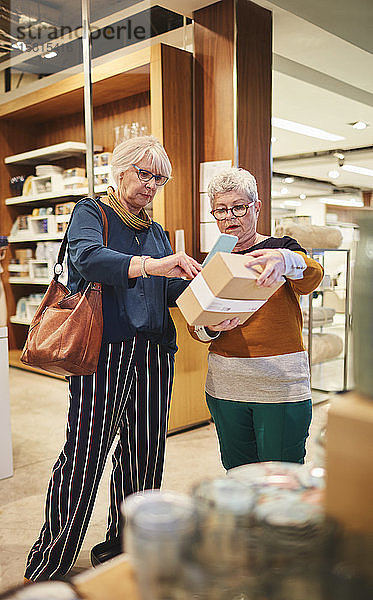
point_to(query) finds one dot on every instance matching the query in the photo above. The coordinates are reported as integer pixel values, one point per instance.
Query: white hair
(233, 180)
(132, 151)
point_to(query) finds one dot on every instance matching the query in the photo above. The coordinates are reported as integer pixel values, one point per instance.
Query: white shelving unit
(50, 153)
(343, 322)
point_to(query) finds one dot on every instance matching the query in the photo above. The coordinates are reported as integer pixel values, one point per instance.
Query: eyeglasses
(145, 176)
(238, 210)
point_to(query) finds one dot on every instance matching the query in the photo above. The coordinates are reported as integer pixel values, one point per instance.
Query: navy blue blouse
(129, 305)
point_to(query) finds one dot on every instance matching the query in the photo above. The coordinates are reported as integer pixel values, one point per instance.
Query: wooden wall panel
(171, 91)
(233, 50)
(177, 116)
(13, 139)
(254, 99)
(105, 118)
(214, 55)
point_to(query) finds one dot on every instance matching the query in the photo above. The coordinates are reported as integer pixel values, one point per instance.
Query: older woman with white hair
(258, 384)
(130, 392)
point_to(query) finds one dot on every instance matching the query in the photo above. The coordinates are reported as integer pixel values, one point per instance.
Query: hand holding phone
(224, 243)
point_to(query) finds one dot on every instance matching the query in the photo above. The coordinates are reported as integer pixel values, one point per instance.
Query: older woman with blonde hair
(130, 392)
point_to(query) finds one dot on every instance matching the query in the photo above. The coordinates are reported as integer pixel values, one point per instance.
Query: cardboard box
(225, 288)
(349, 462)
(114, 579)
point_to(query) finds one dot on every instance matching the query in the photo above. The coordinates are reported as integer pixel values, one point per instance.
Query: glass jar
(225, 547)
(159, 528)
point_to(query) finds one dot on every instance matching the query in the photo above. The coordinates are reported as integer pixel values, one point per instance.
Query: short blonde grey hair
(233, 180)
(132, 151)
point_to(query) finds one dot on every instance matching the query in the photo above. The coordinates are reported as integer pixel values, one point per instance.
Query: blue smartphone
(224, 243)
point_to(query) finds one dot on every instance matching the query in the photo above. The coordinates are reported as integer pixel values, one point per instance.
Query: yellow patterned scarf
(138, 222)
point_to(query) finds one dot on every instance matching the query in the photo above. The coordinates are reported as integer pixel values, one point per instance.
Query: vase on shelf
(362, 319)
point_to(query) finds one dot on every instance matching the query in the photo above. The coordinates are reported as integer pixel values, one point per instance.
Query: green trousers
(252, 432)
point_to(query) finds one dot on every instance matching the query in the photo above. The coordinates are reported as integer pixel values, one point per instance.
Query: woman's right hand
(226, 325)
(174, 265)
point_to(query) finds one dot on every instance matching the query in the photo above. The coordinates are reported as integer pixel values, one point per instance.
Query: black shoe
(105, 551)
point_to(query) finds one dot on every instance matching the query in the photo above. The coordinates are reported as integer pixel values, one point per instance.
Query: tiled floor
(39, 406)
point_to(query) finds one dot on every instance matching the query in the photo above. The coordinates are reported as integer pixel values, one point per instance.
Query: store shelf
(36, 237)
(17, 268)
(28, 281)
(14, 361)
(49, 153)
(80, 193)
(19, 321)
(41, 197)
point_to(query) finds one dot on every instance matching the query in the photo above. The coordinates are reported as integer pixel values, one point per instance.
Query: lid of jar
(280, 475)
(227, 495)
(154, 511)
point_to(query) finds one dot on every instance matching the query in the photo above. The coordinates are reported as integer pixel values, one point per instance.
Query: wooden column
(233, 93)
(171, 122)
(368, 198)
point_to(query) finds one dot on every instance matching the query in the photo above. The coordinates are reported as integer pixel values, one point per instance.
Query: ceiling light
(359, 125)
(302, 196)
(50, 55)
(292, 203)
(284, 190)
(339, 155)
(333, 174)
(273, 139)
(352, 202)
(288, 180)
(358, 170)
(305, 130)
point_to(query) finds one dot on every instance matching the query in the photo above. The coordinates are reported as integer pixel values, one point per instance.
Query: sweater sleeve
(312, 277)
(93, 260)
(175, 285)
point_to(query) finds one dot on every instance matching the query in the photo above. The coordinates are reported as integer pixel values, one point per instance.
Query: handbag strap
(58, 268)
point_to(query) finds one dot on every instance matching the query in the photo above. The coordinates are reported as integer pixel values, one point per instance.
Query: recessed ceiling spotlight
(284, 190)
(273, 139)
(359, 125)
(314, 132)
(50, 54)
(333, 174)
(302, 196)
(288, 180)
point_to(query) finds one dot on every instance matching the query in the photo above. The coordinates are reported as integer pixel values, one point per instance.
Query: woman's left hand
(273, 264)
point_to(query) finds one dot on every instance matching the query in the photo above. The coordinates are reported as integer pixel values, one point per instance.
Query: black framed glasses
(145, 176)
(238, 210)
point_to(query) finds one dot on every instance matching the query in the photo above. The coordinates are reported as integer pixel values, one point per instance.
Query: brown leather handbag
(66, 332)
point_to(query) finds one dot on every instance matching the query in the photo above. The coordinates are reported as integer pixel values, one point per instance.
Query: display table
(6, 458)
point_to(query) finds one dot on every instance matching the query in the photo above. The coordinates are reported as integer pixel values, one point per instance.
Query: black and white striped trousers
(130, 394)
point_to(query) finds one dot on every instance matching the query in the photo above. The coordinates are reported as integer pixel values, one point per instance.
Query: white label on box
(210, 303)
